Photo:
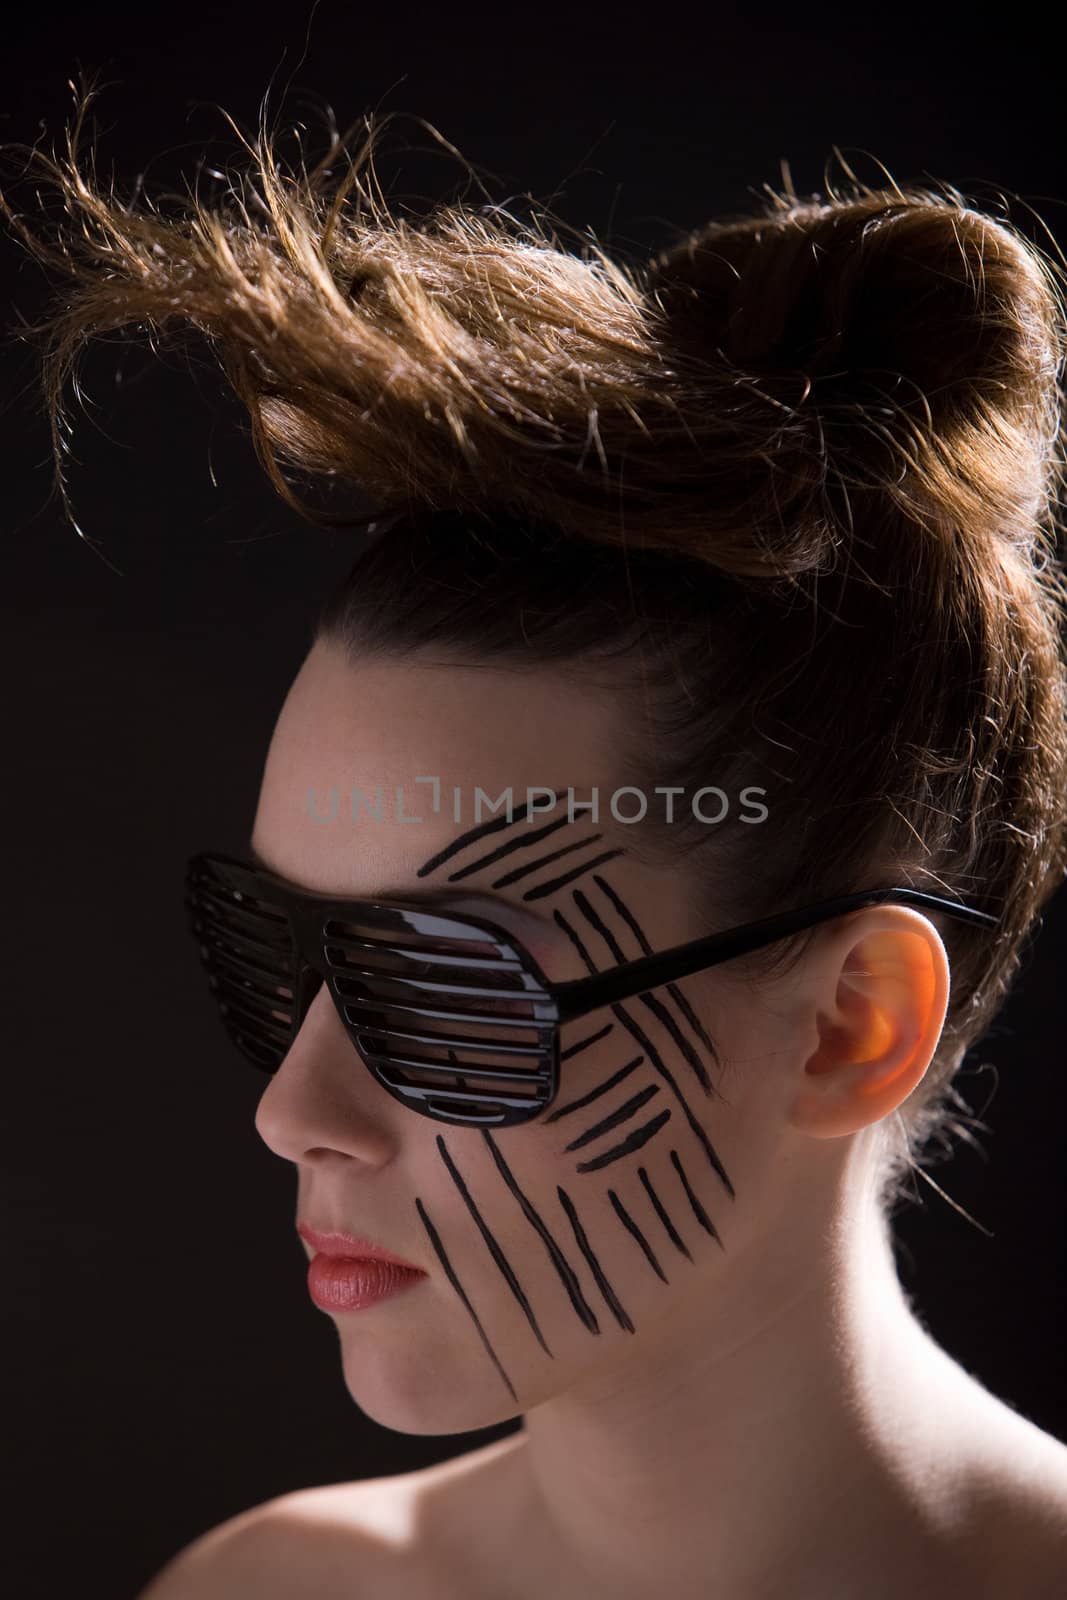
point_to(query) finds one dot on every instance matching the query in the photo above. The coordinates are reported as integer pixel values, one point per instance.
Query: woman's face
(608, 1231)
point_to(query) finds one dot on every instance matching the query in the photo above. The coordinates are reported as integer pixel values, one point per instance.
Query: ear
(880, 1005)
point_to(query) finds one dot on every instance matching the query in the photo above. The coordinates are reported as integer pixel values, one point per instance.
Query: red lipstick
(349, 1274)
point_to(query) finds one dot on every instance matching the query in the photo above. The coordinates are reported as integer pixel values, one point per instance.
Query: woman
(697, 594)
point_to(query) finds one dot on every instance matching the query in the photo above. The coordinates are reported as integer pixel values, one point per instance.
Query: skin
(724, 1389)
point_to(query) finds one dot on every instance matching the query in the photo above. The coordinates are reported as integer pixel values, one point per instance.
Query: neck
(789, 1422)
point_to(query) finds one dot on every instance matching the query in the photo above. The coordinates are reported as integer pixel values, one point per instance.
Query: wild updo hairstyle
(792, 485)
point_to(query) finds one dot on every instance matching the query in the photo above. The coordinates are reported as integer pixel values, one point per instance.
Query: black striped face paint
(626, 1142)
(592, 1233)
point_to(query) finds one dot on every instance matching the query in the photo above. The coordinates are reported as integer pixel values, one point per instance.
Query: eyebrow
(419, 896)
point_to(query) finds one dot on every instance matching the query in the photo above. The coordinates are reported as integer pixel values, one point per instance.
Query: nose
(322, 1101)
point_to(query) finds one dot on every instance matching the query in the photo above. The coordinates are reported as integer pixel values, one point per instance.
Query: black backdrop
(156, 1380)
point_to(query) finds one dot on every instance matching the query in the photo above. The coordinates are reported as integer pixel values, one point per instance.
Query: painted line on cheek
(672, 1232)
(583, 1044)
(631, 1227)
(639, 1137)
(698, 1210)
(491, 1244)
(481, 831)
(584, 1246)
(567, 1276)
(661, 1067)
(594, 1094)
(522, 842)
(442, 1256)
(656, 1060)
(651, 1001)
(615, 1118)
(518, 873)
(568, 877)
(529, 836)
(672, 988)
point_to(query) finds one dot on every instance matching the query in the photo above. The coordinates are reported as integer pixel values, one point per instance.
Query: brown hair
(797, 476)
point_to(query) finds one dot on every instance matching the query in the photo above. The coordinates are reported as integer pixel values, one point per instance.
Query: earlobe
(877, 1036)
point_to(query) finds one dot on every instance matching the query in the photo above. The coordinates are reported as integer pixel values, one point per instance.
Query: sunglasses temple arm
(579, 996)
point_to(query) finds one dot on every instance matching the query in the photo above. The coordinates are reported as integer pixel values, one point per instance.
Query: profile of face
(657, 1198)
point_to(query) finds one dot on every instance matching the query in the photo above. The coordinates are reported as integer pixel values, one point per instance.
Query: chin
(408, 1391)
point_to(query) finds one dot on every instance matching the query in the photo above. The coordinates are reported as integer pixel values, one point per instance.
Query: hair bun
(910, 341)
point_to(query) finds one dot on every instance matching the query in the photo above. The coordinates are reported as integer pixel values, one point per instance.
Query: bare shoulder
(340, 1540)
(380, 1537)
(1017, 1522)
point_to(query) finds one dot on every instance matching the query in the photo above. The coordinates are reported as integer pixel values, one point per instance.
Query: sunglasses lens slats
(246, 949)
(245, 1019)
(496, 1041)
(450, 1017)
(497, 1109)
(385, 958)
(256, 918)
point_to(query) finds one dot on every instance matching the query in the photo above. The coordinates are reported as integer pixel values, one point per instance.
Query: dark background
(163, 1367)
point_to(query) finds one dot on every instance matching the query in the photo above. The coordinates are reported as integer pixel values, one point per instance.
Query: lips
(347, 1247)
(337, 1283)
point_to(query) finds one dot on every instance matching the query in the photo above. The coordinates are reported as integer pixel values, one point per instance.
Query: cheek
(557, 962)
(549, 1249)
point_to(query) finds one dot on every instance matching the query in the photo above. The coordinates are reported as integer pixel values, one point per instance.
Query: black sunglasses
(452, 1015)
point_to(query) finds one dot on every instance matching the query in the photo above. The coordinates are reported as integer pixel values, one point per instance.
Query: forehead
(340, 786)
